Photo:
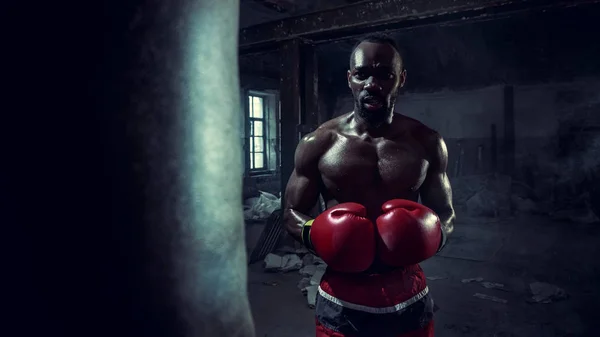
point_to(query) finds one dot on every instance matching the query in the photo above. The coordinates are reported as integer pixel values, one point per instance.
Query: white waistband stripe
(374, 310)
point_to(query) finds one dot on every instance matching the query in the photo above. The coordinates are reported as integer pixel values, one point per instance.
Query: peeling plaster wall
(558, 138)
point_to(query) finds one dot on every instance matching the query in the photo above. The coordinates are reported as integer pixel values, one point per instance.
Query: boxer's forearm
(293, 221)
(447, 220)
(447, 223)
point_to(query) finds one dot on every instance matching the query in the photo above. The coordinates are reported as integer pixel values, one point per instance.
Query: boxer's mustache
(371, 98)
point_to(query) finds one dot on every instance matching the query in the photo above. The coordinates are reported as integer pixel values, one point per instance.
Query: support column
(494, 148)
(509, 130)
(310, 107)
(290, 108)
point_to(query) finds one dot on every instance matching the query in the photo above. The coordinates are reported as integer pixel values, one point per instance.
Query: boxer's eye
(360, 75)
(385, 76)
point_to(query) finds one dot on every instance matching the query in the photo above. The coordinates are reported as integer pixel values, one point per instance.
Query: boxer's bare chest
(373, 170)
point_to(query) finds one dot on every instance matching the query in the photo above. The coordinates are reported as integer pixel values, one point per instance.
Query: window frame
(250, 138)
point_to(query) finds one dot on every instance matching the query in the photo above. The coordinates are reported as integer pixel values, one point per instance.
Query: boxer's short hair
(378, 38)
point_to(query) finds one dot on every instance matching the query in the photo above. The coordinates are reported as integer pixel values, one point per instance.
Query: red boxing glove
(409, 233)
(343, 237)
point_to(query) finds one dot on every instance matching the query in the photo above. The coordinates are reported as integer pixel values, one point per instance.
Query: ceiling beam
(276, 5)
(369, 16)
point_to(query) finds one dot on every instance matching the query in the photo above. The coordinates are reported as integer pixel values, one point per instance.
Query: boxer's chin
(373, 116)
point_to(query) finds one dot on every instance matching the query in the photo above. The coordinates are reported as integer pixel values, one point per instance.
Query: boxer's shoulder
(325, 135)
(321, 138)
(410, 125)
(313, 145)
(337, 124)
(430, 139)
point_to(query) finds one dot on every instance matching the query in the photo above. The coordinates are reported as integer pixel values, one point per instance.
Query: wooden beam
(290, 93)
(368, 16)
(278, 6)
(310, 103)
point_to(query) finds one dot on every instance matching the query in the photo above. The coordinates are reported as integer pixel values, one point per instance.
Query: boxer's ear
(348, 75)
(402, 78)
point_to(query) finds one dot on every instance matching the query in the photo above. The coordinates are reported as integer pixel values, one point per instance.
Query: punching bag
(121, 187)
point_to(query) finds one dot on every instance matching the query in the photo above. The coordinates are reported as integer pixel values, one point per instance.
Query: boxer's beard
(374, 118)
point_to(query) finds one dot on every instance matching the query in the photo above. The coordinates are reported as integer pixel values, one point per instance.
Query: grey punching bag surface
(125, 188)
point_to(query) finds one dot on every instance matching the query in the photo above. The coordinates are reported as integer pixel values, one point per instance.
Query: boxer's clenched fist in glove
(343, 237)
(409, 233)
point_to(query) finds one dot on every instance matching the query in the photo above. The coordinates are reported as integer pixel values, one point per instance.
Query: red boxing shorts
(391, 304)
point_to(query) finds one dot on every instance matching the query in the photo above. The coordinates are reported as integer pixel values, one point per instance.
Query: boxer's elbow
(292, 224)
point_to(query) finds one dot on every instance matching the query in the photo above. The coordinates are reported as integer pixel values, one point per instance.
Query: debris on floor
(463, 329)
(492, 285)
(285, 263)
(311, 295)
(483, 203)
(546, 293)
(483, 195)
(303, 284)
(317, 276)
(308, 270)
(313, 272)
(262, 206)
(435, 278)
(583, 216)
(485, 284)
(469, 280)
(309, 266)
(490, 298)
(523, 205)
(312, 275)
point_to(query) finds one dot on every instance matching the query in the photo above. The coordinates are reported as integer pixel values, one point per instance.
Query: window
(261, 132)
(257, 118)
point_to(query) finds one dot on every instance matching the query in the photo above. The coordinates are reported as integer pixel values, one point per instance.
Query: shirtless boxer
(371, 165)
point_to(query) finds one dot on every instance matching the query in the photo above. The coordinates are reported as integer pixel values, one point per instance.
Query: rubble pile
(261, 206)
(310, 267)
(497, 195)
(483, 195)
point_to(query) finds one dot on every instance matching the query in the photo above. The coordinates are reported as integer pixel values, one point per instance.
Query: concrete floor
(512, 252)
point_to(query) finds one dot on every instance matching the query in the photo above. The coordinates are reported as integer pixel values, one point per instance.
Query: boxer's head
(375, 76)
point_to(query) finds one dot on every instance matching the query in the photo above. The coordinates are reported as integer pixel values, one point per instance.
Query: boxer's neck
(364, 128)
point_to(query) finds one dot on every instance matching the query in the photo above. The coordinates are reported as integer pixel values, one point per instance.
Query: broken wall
(558, 141)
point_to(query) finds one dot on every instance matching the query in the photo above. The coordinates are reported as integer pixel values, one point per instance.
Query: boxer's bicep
(302, 190)
(436, 192)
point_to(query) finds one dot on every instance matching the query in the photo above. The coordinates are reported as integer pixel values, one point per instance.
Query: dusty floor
(513, 252)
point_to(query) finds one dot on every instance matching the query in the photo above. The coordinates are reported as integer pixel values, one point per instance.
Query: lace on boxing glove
(305, 236)
(443, 241)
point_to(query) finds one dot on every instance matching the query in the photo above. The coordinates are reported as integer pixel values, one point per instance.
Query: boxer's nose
(371, 85)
